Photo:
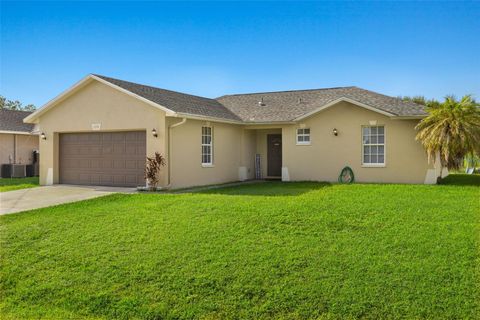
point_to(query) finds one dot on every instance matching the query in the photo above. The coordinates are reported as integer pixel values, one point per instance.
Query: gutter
(16, 132)
(416, 117)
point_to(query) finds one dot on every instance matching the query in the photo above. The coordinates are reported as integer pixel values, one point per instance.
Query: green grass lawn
(7, 184)
(269, 250)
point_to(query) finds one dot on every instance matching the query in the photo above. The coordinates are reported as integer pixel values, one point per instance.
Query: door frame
(59, 160)
(271, 136)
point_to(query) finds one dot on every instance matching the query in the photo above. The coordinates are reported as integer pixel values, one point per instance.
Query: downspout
(169, 148)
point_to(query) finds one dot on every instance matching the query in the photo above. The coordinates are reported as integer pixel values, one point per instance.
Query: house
(17, 142)
(99, 132)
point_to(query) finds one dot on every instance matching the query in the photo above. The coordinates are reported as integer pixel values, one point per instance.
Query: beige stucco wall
(6, 148)
(235, 146)
(248, 151)
(97, 103)
(25, 146)
(228, 153)
(323, 160)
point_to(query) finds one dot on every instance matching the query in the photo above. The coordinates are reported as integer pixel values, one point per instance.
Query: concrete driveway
(40, 197)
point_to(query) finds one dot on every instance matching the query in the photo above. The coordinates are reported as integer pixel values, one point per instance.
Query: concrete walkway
(40, 197)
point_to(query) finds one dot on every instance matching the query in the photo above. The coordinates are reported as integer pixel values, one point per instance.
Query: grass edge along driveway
(272, 250)
(10, 184)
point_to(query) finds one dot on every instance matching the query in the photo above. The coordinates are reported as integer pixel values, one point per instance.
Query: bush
(152, 169)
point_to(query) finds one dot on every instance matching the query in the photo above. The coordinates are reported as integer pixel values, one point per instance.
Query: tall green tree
(420, 100)
(451, 129)
(14, 105)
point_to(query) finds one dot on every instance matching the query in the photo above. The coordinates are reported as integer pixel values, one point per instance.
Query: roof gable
(265, 107)
(294, 105)
(176, 101)
(172, 102)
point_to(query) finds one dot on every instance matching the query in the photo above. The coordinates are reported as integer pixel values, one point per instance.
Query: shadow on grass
(270, 188)
(462, 180)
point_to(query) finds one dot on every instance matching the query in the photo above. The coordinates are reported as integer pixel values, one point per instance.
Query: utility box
(14, 171)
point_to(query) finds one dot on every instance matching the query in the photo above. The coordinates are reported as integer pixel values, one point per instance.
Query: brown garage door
(103, 158)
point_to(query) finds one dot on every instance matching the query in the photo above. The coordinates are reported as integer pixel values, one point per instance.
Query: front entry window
(303, 136)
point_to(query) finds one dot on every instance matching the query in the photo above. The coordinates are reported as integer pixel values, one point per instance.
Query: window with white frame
(373, 140)
(207, 144)
(303, 136)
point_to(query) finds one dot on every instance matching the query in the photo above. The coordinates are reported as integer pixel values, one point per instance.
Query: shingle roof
(12, 120)
(176, 101)
(276, 107)
(289, 105)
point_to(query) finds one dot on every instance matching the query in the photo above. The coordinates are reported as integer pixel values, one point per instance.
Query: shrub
(152, 170)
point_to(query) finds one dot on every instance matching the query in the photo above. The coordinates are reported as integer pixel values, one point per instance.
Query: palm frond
(451, 129)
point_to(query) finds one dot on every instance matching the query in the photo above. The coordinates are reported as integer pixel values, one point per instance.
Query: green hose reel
(346, 175)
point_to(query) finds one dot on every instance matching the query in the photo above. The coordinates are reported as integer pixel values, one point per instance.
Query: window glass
(207, 145)
(303, 136)
(373, 138)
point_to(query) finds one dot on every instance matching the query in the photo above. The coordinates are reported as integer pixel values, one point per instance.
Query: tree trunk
(439, 178)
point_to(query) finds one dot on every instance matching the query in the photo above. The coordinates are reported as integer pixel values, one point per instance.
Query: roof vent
(261, 103)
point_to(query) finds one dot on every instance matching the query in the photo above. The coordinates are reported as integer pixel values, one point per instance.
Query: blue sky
(211, 49)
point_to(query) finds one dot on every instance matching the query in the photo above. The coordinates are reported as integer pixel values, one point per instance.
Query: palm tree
(452, 130)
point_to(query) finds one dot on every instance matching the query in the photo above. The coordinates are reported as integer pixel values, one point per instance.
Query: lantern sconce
(154, 132)
(43, 136)
(335, 132)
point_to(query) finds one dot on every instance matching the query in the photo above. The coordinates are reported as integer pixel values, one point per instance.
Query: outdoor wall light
(335, 132)
(43, 136)
(154, 132)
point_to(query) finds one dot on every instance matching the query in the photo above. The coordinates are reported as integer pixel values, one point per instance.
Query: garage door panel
(118, 149)
(95, 137)
(141, 149)
(84, 163)
(70, 150)
(103, 158)
(106, 137)
(131, 136)
(70, 176)
(84, 177)
(119, 179)
(119, 136)
(130, 164)
(95, 164)
(106, 179)
(107, 148)
(95, 179)
(118, 164)
(107, 164)
(96, 150)
(84, 138)
(69, 163)
(130, 149)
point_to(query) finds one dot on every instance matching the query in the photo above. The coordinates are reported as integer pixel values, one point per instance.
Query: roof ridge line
(391, 97)
(284, 91)
(150, 86)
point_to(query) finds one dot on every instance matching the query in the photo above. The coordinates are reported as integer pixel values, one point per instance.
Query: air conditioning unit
(14, 171)
(19, 170)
